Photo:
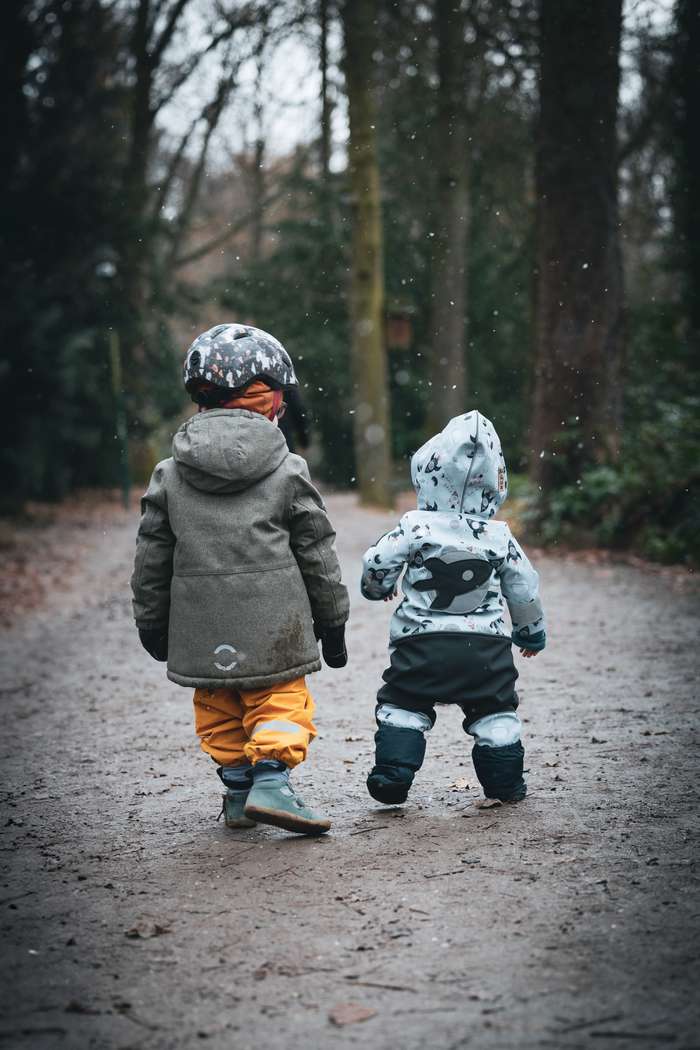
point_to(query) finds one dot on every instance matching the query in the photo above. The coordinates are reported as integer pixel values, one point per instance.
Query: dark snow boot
(399, 755)
(500, 771)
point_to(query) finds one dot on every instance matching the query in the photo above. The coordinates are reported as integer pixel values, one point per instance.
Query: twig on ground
(377, 984)
(240, 854)
(577, 1025)
(437, 874)
(285, 871)
(657, 1037)
(378, 827)
(17, 897)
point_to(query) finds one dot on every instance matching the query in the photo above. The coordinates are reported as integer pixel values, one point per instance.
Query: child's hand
(333, 646)
(529, 644)
(390, 597)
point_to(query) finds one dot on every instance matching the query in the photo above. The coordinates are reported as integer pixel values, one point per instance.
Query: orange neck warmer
(258, 397)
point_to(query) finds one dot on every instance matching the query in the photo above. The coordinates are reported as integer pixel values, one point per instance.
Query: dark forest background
(512, 221)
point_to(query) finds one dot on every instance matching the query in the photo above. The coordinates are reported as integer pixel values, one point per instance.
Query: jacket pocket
(241, 624)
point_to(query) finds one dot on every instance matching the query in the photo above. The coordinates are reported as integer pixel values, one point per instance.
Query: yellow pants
(245, 725)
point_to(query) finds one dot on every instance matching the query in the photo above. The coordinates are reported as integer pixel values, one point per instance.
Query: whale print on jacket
(460, 564)
(456, 581)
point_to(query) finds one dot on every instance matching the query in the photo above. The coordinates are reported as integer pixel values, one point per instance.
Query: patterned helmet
(231, 356)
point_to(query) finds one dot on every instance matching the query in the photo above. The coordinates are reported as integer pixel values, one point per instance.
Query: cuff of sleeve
(536, 641)
(321, 626)
(160, 627)
(373, 594)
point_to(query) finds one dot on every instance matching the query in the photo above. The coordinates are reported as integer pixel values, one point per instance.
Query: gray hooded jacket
(460, 564)
(235, 556)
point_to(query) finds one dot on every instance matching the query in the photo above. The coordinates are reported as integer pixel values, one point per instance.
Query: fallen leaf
(145, 930)
(349, 1013)
(488, 803)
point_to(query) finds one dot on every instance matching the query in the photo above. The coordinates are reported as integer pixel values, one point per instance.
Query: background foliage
(71, 77)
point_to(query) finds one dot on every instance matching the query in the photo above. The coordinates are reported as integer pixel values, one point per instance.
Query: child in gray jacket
(236, 576)
(448, 639)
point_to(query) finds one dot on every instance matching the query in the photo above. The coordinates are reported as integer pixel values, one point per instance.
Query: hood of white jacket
(462, 468)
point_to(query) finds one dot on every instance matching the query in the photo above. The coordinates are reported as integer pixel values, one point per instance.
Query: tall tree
(451, 220)
(579, 284)
(372, 418)
(326, 107)
(687, 195)
(60, 172)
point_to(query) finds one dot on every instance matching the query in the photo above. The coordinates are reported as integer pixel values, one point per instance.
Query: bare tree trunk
(325, 141)
(451, 224)
(257, 185)
(257, 172)
(133, 248)
(371, 419)
(688, 78)
(579, 284)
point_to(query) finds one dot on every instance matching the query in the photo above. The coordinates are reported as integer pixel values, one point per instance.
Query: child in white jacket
(448, 639)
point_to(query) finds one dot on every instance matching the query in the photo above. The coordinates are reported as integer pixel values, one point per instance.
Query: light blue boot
(272, 800)
(233, 809)
(237, 781)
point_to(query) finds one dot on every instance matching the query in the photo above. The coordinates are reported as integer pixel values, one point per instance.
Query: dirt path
(132, 919)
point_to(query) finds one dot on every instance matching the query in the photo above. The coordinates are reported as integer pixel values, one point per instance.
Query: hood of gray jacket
(462, 468)
(227, 450)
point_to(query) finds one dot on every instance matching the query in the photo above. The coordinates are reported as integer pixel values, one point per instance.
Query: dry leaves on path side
(43, 549)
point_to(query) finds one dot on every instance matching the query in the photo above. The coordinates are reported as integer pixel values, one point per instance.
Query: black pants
(472, 670)
(475, 671)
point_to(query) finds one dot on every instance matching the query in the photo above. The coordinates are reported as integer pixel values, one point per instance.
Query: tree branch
(175, 160)
(185, 70)
(213, 115)
(166, 34)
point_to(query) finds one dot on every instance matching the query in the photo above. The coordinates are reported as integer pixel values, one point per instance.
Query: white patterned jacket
(460, 563)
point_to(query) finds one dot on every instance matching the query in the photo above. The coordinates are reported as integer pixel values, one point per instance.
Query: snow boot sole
(387, 790)
(278, 805)
(288, 821)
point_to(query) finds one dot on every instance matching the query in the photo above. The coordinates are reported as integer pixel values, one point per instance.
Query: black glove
(332, 641)
(155, 642)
